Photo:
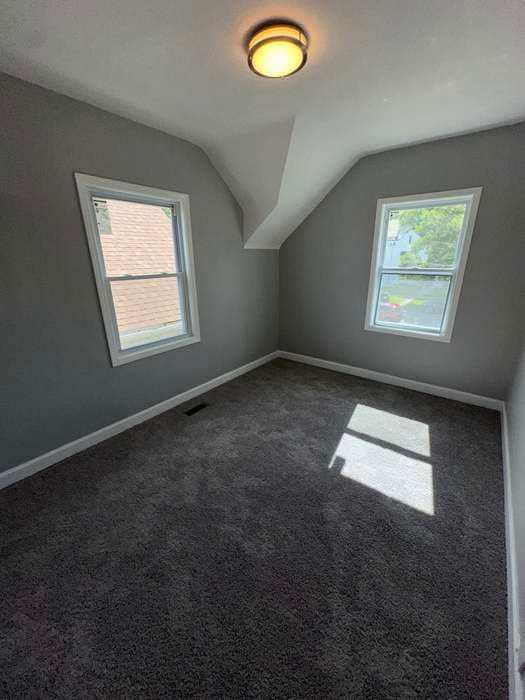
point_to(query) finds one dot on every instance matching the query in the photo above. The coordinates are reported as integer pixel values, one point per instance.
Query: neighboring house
(398, 241)
(395, 247)
(143, 234)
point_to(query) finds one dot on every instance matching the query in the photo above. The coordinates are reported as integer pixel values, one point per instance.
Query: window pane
(423, 236)
(412, 301)
(147, 310)
(140, 240)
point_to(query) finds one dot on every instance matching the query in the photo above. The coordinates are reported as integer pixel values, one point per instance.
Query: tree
(438, 231)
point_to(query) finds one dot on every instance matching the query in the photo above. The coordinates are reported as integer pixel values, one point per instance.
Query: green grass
(395, 299)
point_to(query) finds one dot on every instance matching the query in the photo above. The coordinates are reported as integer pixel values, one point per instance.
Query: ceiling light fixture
(277, 50)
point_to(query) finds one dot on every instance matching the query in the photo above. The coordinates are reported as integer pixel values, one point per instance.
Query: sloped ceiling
(380, 73)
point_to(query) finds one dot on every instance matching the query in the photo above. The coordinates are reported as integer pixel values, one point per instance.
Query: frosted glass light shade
(278, 50)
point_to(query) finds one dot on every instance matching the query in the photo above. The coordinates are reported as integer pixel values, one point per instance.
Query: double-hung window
(141, 250)
(420, 251)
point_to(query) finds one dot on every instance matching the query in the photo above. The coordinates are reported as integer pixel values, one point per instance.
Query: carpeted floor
(218, 556)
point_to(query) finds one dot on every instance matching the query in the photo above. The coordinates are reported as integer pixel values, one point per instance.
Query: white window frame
(89, 186)
(470, 197)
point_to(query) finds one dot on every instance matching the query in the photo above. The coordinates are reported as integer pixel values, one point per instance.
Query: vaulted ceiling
(380, 73)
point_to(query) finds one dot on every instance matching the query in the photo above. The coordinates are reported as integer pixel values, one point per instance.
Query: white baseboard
(46, 460)
(445, 392)
(515, 683)
(57, 455)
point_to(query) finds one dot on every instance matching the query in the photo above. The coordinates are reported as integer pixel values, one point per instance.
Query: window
(140, 244)
(420, 251)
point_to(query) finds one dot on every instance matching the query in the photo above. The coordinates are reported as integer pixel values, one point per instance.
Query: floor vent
(195, 409)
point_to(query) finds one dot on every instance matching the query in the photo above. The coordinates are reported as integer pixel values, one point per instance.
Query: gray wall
(57, 382)
(325, 265)
(516, 435)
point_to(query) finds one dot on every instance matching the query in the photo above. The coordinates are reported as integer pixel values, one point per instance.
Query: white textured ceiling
(380, 73)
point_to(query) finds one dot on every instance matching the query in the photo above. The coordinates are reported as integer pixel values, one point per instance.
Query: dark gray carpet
(217, 555)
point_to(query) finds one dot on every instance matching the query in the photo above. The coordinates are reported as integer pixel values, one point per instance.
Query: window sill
(134, 340)
(421, 335)
(122, 357)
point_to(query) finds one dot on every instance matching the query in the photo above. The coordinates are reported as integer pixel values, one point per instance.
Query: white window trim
(89, 186)
(471, 198)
